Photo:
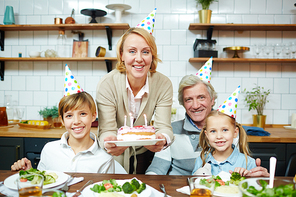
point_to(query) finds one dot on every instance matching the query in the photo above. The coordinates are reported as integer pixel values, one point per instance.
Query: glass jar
(9, 107)
(62, 48)
(3, 117)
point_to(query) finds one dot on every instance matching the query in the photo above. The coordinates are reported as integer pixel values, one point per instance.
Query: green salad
(280, 191)
(48, 177)
(112, 186)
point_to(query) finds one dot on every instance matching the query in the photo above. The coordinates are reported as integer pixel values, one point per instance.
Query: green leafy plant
(256, 99)
(205, 4)
(49, 112)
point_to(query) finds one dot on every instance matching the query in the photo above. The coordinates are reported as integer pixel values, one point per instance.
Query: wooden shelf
(57, 59)
(108, 61)
(244, 60)
(243, 27)
(49, 27)
(109, 27)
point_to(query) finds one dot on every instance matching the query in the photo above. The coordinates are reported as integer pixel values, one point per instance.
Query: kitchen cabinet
(243, 27)
(266, 150)
(291, 149)
(282, 151)
(11, 150)
(55, 27)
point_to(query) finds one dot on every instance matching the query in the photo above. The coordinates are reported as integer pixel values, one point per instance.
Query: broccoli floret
(141, 188)
(136, 183)
(128, 188)
(235, 176)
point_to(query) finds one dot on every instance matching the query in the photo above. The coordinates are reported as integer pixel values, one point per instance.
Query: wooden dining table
(171, 182)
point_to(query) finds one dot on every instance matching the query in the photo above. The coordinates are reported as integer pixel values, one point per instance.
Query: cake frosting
(126, 133)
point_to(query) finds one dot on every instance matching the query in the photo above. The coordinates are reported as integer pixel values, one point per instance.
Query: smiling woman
(134, 87)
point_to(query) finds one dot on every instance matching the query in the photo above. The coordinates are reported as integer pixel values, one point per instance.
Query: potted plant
(50, 114)
(205, 14)
(256, 100)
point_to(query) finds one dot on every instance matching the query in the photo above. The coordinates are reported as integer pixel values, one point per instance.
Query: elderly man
(198, 98)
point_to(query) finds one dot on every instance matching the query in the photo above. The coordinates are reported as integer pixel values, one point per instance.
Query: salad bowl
(250, 186)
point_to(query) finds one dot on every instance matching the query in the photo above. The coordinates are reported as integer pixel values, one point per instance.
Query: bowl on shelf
(255, 183)
(34, 53)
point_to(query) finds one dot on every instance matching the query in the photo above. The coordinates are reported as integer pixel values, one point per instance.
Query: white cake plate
(119, 8)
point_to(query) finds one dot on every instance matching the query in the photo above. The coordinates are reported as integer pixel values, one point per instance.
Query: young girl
(216, 141)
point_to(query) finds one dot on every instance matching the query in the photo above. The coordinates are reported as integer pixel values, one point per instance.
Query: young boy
(77, 150)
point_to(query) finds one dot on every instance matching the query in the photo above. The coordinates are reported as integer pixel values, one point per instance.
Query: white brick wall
(39, 84)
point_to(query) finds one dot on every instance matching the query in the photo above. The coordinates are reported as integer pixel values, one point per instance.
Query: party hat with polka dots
(148, 22)
(205, 72)
(71, 86)
(230, 105)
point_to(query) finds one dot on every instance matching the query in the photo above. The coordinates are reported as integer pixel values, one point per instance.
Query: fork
(65, 188)
(163, 189)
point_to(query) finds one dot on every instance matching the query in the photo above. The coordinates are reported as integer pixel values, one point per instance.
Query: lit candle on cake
(125, 120)
(132, 120)
(145, 118)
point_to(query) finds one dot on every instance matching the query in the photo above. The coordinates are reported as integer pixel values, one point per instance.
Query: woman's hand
(159, 145)
(111, 148)
(22, 164)
(241, 171)
(258, 171)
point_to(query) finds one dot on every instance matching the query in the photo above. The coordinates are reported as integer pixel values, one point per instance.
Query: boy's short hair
(76, 101)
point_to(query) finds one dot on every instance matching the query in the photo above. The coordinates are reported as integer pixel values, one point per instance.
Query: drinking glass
(286, 50)
(268, 50)
(30, 187)
(20, 113)
(197, 189)
(257, 50)
(293, 49)
(57, 123)
(278, 50)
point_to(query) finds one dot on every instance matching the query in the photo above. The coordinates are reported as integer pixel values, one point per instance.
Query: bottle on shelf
(9, 107)
(62, 47)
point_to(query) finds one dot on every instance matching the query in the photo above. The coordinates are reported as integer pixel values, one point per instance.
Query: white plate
(88, 193)
(10, 181)
(135, 142)
(289, 127)
(218, 194)
(118, 6)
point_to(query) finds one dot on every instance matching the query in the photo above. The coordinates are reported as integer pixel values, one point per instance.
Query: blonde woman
(134, 87)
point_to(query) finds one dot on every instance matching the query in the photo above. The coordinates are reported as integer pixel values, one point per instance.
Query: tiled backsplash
(39, 84)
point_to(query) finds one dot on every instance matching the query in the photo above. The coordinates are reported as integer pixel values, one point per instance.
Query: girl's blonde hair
(150, 41)
(206, 147)
(76, 101)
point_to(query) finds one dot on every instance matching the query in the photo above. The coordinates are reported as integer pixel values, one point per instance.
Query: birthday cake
(126, 133)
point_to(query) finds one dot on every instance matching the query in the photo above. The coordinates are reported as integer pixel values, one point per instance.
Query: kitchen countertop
(17, 131)
(278, 134)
